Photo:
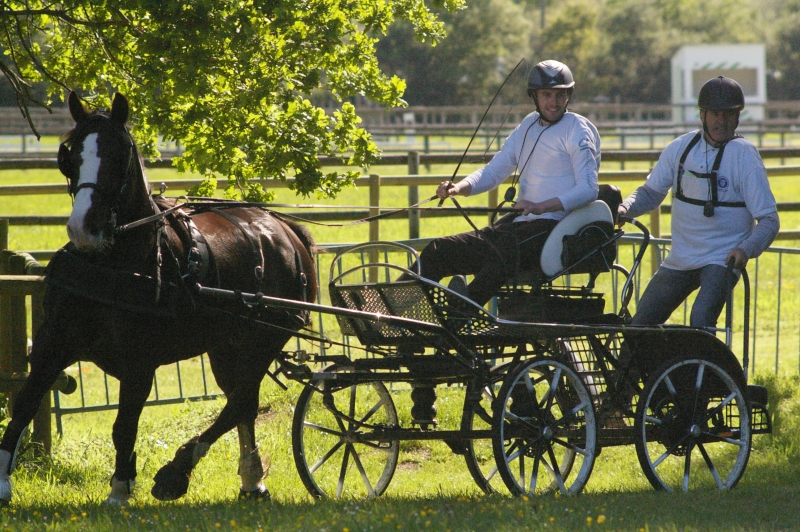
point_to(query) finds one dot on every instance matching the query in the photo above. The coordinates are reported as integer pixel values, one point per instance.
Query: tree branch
(62, 15)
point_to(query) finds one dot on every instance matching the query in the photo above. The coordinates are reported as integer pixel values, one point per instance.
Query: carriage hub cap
(547, 433)
(695, 431)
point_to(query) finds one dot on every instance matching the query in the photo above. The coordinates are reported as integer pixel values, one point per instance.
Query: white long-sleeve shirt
(698, 240)
(558, 161)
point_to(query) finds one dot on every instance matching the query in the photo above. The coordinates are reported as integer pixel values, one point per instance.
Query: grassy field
(432, 488)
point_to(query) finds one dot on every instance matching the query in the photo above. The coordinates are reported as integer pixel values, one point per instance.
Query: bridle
(65, 159)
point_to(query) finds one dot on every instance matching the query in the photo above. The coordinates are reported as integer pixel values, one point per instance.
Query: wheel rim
(336, 440)
(545, 432)
(693, 428)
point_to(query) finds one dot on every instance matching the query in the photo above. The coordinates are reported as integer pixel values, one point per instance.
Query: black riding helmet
(550, 74)
(721, 94)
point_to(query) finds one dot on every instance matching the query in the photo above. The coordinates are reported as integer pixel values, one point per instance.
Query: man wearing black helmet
(556, 154)
(720, 189)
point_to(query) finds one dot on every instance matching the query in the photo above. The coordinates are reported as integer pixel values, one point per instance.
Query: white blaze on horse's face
(89, 170)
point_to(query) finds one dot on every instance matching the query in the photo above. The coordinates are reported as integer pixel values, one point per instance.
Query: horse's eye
(64, 163)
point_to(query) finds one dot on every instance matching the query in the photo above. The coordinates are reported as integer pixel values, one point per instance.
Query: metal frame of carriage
(543, 393)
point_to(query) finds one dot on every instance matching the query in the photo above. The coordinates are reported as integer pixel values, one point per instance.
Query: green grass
(430, 490)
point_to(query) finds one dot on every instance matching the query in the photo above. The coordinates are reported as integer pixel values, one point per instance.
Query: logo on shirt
(722, 182)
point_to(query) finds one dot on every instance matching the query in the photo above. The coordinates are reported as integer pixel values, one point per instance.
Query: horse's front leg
(133, 392)
(47, 361)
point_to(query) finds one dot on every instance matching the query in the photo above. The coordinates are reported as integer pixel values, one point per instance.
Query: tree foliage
(619, 50)
(484, 43)
(230, 79)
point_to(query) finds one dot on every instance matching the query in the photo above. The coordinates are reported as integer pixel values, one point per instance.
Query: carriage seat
(576, 235)
(583, 242)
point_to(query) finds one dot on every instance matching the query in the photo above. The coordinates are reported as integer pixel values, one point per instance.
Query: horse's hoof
(170, 483)
(261, 493)
(121, 491)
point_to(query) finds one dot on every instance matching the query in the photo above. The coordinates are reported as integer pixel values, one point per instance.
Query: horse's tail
(303, 234)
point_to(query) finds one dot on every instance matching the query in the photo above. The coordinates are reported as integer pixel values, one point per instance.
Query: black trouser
(493, 255)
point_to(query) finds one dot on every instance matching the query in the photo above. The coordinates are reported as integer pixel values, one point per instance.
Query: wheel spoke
(556, 471)
(711, 466)
(322, 429)
(653, 420)
(373, 410)
(513, 417)
(364, 477)
(697, 384)
(352, 412)
(669, 451)
(535, 472)
(712, 412)
(326, 457)
(570, 446)
(687, 465)
(342, 472)
(670, 386)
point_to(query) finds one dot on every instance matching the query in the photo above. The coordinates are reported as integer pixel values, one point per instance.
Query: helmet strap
(538, 110)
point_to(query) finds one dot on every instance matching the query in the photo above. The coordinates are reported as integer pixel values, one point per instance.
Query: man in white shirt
(717, 200)
(557, 156)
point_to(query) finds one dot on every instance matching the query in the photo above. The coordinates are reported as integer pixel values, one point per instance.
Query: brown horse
(121, 295)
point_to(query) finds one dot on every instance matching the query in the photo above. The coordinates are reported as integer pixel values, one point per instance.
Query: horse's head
(104, 173)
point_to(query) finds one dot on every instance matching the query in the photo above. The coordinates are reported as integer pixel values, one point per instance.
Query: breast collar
(708, 205)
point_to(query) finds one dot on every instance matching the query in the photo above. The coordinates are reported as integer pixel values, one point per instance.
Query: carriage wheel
(692, 427)
(477, 415)
(544, 429)
(336, 441)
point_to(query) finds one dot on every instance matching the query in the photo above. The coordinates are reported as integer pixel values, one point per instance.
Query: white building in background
(695, 64)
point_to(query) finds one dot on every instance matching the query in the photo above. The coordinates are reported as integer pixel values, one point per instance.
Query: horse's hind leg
(241, 383)
(251, 467)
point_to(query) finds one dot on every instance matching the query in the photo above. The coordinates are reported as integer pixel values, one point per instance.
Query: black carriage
(548, 380)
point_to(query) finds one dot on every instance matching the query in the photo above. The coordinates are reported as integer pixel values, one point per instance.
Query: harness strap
(255, 246)
(708, 205)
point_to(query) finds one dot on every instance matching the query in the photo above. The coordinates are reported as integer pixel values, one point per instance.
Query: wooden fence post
(374, 225)
(413, 196)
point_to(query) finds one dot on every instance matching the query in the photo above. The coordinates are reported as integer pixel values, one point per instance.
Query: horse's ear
(76, 108)
(119, 109)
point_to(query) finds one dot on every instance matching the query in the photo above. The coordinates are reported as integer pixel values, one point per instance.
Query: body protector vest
(709, 203)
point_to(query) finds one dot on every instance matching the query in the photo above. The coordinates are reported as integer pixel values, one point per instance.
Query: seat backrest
(551, 260)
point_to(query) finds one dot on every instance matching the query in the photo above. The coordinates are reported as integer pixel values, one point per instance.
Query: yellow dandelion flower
(601, 519)
(589, 521)
(520, 513)
(233, 523)
(552, 519)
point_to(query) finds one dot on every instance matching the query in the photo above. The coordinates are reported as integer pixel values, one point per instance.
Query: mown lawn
(432, 488)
